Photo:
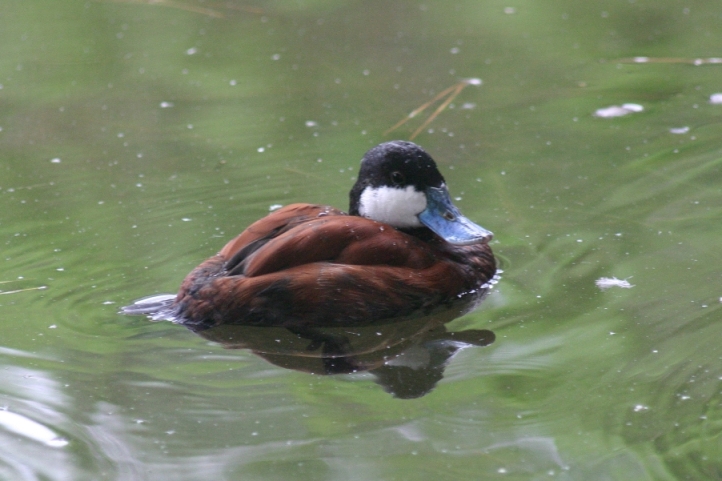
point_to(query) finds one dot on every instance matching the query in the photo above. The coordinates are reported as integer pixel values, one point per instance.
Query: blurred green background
(137, 137)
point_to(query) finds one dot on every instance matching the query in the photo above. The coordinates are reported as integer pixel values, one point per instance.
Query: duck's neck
(422, 233)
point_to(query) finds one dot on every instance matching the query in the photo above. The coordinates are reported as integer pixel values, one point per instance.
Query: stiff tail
(156, 308)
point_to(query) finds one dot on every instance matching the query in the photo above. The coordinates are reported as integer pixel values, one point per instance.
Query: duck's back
(315, 265)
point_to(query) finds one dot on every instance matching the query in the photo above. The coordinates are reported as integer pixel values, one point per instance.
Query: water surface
(138, 138)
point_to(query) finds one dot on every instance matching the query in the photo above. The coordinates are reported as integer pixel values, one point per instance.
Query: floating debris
(679, 130)
(618, 110)
(39, 288)
(690, 61)
(451, 92)
(715, 99)
(169, 3)
(606, 282)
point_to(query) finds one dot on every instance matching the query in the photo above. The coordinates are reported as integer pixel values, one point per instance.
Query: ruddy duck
(402, 249)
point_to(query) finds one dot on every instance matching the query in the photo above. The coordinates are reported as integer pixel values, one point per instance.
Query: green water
(137, 139)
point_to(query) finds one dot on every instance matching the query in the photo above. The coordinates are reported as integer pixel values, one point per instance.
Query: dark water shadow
(407, 356)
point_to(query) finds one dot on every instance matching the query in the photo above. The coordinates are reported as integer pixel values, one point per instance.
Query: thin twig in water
(169, 3)
(39, 288)
(452, 92)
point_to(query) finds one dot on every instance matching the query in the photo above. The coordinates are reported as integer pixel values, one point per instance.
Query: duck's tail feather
(156, 308)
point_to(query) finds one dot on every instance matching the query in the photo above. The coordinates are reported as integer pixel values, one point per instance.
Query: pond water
(138, 137)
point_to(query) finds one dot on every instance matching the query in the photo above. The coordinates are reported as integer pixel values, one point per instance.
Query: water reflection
(407, 356)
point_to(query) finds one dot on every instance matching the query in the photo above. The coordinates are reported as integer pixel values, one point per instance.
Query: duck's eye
(397, 177)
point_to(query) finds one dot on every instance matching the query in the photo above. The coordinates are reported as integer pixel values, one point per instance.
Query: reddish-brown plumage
(314, 265)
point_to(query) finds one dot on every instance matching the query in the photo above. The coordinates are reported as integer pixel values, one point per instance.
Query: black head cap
(395, 164)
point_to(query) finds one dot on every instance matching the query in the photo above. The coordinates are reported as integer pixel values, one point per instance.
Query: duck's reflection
(407, 356)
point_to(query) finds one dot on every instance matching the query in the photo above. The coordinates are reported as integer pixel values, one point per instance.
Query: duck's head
(398, 184)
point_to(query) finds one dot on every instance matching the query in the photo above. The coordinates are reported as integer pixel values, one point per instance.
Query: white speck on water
(261, 149)
(607, 282)
(454, 50)
(233, 83)
(186, 219)
(641, 59)
(509, 10)
(166, 105)
(56, 160)
(192, 51)
(311, 123)
(715, 99)
(618, 111)
(640, 408)
(273, 207)
(679, 130)
(276, 56)
(52, 326)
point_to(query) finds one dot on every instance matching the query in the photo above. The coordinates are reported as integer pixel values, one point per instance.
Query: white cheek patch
(396, 207)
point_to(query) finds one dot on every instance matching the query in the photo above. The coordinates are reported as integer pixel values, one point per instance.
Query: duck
(402, 249)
